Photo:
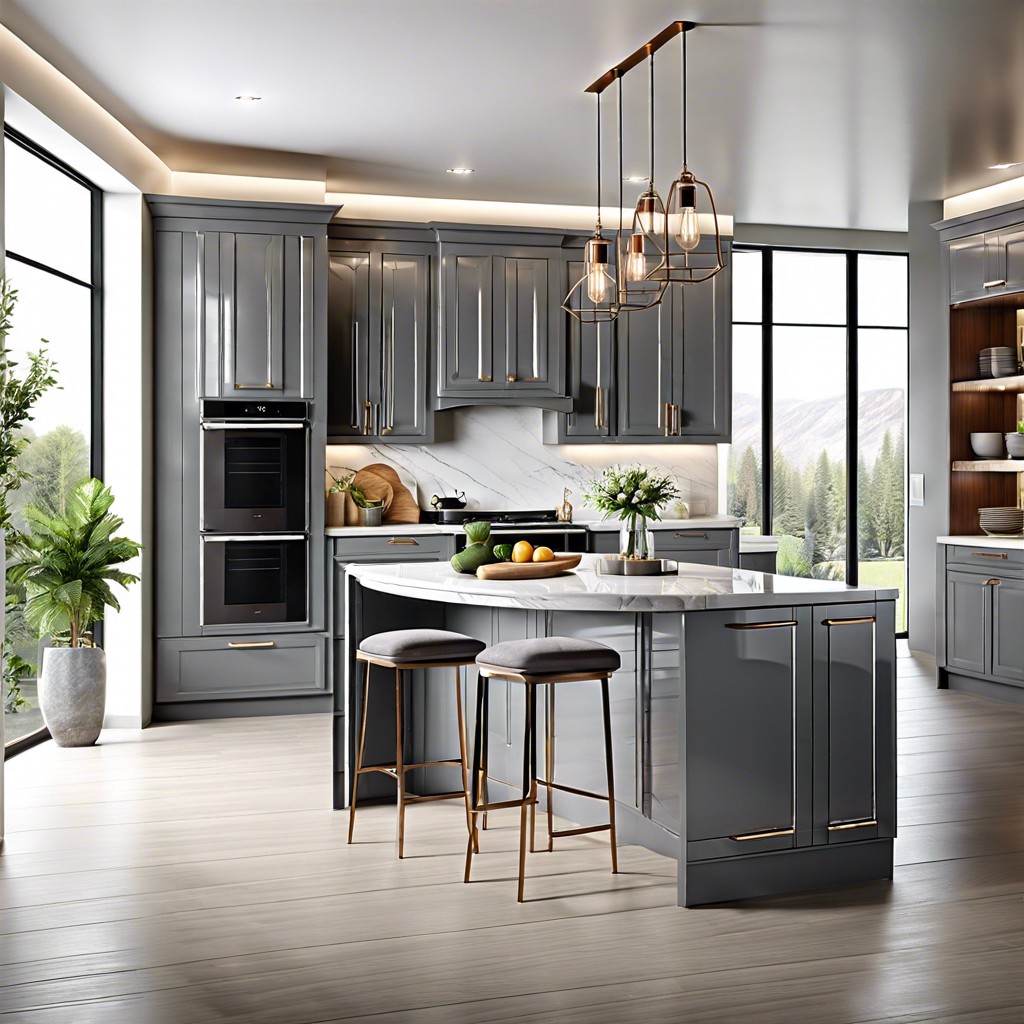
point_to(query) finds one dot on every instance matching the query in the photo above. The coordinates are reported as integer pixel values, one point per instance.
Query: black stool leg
(399, 762)
(359, 753)
(479, 740)
(529, 778)
(606, 708)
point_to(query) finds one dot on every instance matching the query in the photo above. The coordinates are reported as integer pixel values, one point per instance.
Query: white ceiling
(815, 112)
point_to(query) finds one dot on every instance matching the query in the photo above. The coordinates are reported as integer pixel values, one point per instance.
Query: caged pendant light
(594, 297)
(681, 263)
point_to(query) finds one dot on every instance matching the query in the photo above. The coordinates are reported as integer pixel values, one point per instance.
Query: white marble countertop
(974, 541)
(696, 588)
(696, 523)
(755, 542)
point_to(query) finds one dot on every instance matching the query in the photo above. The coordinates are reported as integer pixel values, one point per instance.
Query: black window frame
(95, 286)
(767, 324)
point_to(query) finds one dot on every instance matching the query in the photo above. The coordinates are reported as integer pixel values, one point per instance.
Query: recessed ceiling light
(460, 170)
(636, 179)
(248, 97)
(1004, 167)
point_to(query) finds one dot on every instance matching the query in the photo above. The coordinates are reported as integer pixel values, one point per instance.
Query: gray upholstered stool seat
(550, 655)
(541, 662)
(421, 645)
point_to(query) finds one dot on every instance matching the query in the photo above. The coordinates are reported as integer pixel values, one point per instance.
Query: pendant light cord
(683, 77)
(618, 77)
(599, 163)
(650, 108)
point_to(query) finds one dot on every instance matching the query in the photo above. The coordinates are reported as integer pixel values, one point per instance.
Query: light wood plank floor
(194, 873)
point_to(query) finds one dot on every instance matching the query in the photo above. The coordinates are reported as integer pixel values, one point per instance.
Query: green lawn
(886, 572)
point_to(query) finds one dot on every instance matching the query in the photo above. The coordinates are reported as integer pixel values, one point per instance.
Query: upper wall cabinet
(654, 376)
(379, 341)
(985, 262)
(502, 340)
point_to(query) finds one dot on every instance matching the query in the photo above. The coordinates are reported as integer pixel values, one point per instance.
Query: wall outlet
(916, 489)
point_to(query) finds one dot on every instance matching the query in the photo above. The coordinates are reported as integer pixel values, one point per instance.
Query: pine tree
(866, 510)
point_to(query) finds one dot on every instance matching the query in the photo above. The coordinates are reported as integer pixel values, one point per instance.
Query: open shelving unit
(989, 404)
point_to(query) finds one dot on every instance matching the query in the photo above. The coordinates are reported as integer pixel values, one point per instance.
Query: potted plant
(66, 564)
(635, 495)
(1015, 442)
(371, 510)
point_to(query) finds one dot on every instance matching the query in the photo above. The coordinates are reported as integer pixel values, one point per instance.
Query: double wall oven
(254, 512)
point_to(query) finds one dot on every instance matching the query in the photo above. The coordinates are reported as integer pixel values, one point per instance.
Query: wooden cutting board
(528, 570)
(404, 507)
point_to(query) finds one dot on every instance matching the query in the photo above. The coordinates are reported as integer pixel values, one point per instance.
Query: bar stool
(540, 662)
(404, 650)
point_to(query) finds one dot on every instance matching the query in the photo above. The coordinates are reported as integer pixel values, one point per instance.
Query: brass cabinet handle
(404, 540)
(367, 416)
(484, 377)
(787, 623)
(993, 284)
(745, 837)
(990, 554)
(992, 583)
(847, 622)
(254, 387)
(843, 825)
(249, 645)
(511, 378)
(668, 414)
(687, 536)
(597, 408)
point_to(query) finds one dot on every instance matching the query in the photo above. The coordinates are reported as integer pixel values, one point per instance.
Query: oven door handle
(250, 425)
(223, 538)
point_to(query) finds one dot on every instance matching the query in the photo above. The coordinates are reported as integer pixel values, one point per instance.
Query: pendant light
(640, 250)
(682, 234)
(593, 299)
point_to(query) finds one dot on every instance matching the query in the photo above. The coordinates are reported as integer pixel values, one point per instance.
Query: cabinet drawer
(993, 560)
(393, 547)
(219, 668)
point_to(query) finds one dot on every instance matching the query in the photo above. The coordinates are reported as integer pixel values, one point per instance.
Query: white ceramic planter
(72, 694)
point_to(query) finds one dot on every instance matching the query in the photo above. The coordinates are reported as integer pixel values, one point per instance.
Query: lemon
(543, 554)
(522, 552)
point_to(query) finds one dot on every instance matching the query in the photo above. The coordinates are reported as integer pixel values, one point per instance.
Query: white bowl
(988, 445)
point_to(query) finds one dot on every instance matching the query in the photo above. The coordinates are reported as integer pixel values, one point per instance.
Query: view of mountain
(804, 427)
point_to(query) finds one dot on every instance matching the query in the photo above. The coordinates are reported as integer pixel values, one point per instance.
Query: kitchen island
(753, 715)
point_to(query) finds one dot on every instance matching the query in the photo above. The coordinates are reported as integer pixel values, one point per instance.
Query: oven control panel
(254, 409)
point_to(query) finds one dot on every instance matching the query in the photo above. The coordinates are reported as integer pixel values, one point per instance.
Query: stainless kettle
(459, 501)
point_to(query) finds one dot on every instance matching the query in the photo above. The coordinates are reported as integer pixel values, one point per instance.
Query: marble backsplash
(497, 457)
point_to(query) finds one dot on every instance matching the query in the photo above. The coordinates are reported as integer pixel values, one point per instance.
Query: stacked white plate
(1001, 521)
(1000, 361)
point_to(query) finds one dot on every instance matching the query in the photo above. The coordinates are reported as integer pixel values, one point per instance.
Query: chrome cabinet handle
(788, 623)
(993, 284)
(355, 374)
(249, 645)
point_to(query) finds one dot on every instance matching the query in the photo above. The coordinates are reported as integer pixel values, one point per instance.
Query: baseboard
(122, 722)
(1005, 693)
(189, 711)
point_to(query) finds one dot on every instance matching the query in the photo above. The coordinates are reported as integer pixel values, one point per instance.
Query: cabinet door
(967, 268)
(590, 375)
(405, 332)
(853, 708)
(468, 336)
(1008, 259)
(967, 622)
(647, 348)
(351, 386)
(1007, 635)
(742, 699)
(526, 336)
(702, 381)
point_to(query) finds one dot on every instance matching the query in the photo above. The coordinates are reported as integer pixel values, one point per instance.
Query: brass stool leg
(359, 753)
(399, 761)
(606, 708)
(462, 749)
(529, 778)
(549, 763)
(479, 740)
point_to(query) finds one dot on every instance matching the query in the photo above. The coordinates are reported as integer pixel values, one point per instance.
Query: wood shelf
(988, 466)
(1007, 385)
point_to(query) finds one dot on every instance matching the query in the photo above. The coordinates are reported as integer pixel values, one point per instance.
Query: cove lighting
(248, 97)
(1003, 167)
(460, 170)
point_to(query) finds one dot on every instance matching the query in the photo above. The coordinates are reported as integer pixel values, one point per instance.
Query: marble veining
(497, 457)
(696, 588)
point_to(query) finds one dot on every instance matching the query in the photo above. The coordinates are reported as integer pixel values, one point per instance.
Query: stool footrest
(427, 797)
(581, 831)
(570, 789)
(501, 804)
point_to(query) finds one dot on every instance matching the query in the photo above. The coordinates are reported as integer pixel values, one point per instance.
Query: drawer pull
(689, 536)
(844, 825)
(847, 622)
(992, 583)
(769, 834)
(993, 284)
(249, 645)
(990, 554)
(404, 540)
(788, 623)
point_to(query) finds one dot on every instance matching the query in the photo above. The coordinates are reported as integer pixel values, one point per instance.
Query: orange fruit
(543, 554)
(522, 552)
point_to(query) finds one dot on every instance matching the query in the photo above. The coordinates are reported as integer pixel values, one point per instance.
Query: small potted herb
(371, 510)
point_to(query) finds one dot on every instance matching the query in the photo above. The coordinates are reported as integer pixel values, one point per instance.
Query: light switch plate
(916, 488)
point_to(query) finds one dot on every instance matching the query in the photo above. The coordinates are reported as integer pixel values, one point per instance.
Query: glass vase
(635, 539)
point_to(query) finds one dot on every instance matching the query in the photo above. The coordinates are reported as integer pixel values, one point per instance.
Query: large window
(819, 409)
(52, 233)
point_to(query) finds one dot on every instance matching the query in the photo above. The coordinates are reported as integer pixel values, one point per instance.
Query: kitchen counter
(752, 717)
(974, 541)
(696, 588)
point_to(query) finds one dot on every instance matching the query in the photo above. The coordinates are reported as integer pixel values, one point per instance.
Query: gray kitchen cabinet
(501, 338)
(985, 254)
(800, 713)
(1007, 634)
(379, 341)
(968, 261)
(968, 613)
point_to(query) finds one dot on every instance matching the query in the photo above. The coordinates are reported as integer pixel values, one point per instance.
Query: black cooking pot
(458, 502)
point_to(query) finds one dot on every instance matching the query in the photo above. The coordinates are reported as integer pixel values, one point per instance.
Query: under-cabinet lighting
(461, 170)
(248, 97)
(1004, 167)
